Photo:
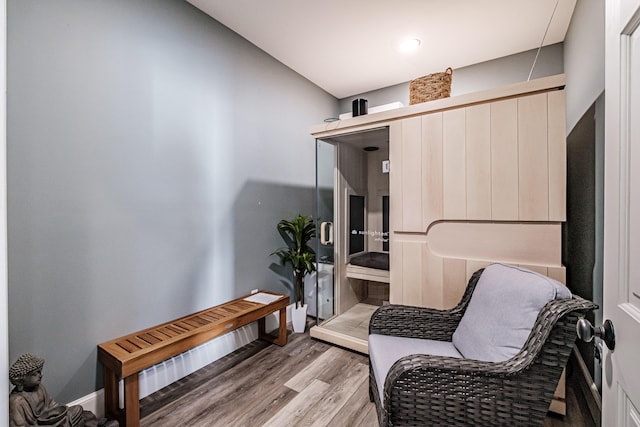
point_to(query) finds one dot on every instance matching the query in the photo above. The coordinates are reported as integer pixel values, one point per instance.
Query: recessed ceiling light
(409, 45)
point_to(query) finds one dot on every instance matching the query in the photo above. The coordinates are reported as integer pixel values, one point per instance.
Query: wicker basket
(430, 87)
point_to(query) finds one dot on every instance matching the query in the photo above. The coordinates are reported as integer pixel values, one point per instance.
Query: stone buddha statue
(31, 405)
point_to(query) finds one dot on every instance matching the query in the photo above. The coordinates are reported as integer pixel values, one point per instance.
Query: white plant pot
(299, 318)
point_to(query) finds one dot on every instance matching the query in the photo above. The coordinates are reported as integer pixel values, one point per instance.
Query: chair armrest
(414, 322)
(451, 367)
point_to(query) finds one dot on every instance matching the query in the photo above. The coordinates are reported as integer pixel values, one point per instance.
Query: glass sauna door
(351, 185)
(324, 286)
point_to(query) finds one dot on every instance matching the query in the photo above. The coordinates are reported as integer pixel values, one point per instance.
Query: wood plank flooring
(305, 383)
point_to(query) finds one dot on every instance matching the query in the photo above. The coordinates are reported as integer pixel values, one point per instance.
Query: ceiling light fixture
(409, 45)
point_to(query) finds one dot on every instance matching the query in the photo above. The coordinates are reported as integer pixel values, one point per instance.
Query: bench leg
(111, 399)
(282, 330)
(132, 401)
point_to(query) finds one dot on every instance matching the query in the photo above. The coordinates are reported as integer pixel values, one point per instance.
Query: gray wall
(584, 229)
(584, 61)
(599, 224)
(578, 247)
(477, 77)
(151, 152)
(584, 58)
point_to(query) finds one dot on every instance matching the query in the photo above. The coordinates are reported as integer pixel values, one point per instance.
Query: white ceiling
(349, 47)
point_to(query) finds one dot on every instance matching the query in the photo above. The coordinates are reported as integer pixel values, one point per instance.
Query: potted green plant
(297, 233)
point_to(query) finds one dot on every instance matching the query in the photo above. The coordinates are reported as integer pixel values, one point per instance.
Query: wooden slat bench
(126, 356)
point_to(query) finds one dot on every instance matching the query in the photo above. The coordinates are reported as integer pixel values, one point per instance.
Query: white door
(621, 367)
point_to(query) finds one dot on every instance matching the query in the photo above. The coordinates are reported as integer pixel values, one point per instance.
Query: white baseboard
(171, 370)
(93, 402)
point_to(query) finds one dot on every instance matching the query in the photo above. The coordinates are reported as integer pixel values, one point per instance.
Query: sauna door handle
(326, 233)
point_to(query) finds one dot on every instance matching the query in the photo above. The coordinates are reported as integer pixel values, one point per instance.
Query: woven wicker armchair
(422, 390)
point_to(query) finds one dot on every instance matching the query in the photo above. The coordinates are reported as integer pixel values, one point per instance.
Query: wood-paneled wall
(473, 185)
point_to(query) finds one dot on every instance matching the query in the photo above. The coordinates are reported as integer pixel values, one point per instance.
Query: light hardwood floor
(305, 383)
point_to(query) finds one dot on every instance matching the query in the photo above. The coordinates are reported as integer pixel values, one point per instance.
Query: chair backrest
(502, 311)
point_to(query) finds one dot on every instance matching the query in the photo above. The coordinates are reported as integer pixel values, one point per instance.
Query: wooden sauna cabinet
(474, 179)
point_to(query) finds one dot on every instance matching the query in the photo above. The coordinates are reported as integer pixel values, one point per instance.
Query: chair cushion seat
(385, 350)
(502, 311)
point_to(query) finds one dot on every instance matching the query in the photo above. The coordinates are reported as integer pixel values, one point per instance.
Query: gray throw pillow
(502, 311)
